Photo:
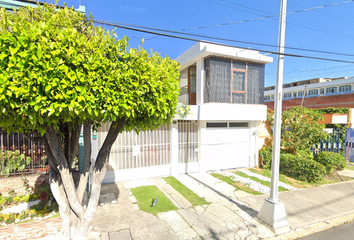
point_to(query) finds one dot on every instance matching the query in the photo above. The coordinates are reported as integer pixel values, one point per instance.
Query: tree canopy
(58, 68)
(58, 72)
(301, 128)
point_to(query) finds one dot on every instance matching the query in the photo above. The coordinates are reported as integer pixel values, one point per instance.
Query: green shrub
(304, 154)
(301, 167)
(331, 161)
(13, 161)
(265, 157)
(23, 215)
(10, 218)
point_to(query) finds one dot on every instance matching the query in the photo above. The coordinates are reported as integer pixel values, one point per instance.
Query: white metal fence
(131, 150)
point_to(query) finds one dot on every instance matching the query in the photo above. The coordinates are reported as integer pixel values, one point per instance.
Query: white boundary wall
(217, 148)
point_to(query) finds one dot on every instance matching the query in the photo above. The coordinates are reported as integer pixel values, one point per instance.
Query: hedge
(331, 161)
(301, 167)
(265, 157)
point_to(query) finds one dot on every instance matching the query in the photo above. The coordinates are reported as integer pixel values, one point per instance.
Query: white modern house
(224, 88)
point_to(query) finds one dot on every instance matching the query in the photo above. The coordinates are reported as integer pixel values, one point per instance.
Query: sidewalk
(231, 214)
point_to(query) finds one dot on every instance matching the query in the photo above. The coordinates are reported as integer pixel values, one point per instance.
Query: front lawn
(192, 197)
(235, 184)
(282, 178)
(265, 183)
(145, 197)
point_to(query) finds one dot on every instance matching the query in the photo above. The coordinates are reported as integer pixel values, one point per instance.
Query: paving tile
(174, 220)
(120, 235)
(189, 215)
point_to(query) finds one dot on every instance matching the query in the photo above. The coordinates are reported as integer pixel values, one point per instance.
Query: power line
(220, 44)
(328, 14)
(218, 38)
(318, 69)
(301, 47)
(307, 76)
(265, 17)
(318, 28)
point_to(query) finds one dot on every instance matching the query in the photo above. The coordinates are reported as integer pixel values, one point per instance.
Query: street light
(273, 211)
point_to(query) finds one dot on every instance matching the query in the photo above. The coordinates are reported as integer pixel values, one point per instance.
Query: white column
(200, 81)
(201, 130)
(174, 148)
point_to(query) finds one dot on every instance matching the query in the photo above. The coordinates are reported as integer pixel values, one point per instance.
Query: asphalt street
(342, 232)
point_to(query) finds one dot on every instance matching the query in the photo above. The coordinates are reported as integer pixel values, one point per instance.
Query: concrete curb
(312, 228)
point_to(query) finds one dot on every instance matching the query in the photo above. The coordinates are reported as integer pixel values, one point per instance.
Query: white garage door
(226, 146)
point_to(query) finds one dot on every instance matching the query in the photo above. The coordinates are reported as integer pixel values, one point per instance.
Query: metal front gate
(187, 145)
(15, 142)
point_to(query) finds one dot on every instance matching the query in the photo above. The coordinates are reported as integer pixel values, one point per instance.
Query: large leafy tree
(301, 128)
(58, 72)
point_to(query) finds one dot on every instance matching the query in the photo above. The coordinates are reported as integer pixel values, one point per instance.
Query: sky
(329, 29)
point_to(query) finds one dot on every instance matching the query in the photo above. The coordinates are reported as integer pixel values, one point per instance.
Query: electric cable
(136, 28)
(265, 17)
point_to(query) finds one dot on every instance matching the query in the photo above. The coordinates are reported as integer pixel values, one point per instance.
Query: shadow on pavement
(251, 212)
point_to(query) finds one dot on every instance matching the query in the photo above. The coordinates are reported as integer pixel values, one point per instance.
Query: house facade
(223, 87)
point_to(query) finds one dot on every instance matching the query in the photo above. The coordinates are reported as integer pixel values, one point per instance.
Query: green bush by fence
(301, 167)
(331, 161)
(265, 157)
(11, 161)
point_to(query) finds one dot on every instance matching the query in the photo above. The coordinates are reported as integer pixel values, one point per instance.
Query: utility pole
(303, 96)
(273, 211)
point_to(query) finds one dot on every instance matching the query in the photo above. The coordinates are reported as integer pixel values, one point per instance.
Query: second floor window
(287, 95)
(300, 94)
(331, 90)
(313, 92)
(238, 81)
(345, 88)
(192, 79)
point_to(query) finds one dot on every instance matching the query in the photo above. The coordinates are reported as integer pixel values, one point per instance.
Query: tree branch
(33, 139)
(87, 161)
(73, 142)
(111, 137)
(64, 171)
(51, 160)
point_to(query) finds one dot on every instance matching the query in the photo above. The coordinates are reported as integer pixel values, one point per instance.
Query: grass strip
(235, 184)
(282, 178)
(145, 196)
(191, 196)
(350, 167)
(265, 183)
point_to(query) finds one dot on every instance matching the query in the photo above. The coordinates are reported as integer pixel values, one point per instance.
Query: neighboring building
(315, 93)
(223, 87)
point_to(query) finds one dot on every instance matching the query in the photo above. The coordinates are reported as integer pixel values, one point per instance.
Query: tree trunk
(69, 199)
(64, 208)
(98, 175)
